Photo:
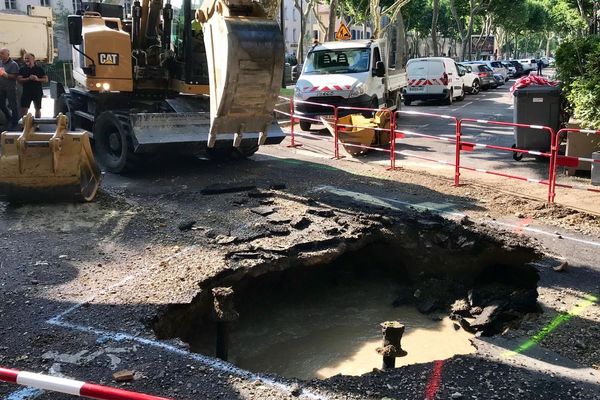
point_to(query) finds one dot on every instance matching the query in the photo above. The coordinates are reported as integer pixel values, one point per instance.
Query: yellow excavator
(176, 76)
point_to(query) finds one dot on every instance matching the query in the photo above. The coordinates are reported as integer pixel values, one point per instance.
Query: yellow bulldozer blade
(244, 49)
(42, 167)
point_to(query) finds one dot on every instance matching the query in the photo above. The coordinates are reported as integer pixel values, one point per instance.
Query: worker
(31, 76)
(9, 70)
(197, 25)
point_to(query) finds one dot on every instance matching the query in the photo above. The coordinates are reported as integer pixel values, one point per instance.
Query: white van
(433, 78)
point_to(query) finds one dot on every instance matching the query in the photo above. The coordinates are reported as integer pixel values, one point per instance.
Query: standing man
(31, 76)
(540, 66)
(9, 70)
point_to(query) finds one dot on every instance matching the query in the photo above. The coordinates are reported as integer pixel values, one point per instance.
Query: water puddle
(334, 330)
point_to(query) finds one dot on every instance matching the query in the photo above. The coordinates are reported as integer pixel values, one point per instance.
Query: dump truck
(176, 76)
(32, 32)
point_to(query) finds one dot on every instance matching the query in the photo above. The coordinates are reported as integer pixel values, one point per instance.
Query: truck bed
(397, 79)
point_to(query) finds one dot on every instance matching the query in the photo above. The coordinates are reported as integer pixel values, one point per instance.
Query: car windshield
(484, 68)
(344, 61)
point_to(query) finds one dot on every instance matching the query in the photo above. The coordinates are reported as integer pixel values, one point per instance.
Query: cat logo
(108, 58)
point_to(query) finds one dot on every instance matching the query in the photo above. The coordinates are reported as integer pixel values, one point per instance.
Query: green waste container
(535, 105)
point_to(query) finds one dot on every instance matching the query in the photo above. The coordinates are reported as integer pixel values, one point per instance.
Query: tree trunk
(304, 12)
(434, 20)
(400, 42)
(331, 28)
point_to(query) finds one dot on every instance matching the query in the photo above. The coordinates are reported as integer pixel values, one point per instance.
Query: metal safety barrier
(71, 386)
(460, 145)
(402, 133)
(570, 161)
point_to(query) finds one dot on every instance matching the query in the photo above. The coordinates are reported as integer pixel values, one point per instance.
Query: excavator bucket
(244, 49)
(41, 167)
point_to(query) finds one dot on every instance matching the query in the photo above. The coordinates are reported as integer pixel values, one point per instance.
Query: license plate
(416, 88)
(324, 94)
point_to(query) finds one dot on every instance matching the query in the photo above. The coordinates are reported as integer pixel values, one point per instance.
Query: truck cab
(352, 73)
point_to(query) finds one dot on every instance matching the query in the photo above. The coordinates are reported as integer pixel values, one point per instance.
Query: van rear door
(426, 76)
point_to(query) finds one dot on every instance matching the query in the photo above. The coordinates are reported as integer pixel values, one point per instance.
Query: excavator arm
(245, 63)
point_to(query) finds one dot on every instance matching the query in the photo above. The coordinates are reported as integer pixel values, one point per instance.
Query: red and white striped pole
(70, 386)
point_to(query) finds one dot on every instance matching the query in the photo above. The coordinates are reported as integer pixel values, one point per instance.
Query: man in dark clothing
(540, 65)
(31, 76)
(8, 93)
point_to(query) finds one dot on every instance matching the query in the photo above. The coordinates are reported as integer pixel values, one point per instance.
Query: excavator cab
(191, 65)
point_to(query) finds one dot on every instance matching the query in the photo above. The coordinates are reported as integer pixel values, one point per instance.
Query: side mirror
(74, 23)
(461, 72)
(379, 69)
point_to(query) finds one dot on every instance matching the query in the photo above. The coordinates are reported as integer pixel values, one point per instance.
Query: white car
(498, 68)
(471, 79)
(529, 64)
(433, 78)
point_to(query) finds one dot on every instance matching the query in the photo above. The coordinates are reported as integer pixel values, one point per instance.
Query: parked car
(498, 68)
(518, 67)
(512, 71)
(529, 64)
(471, 78)
(485, 73)
(433, 78)
(499, 79)
(546, 61)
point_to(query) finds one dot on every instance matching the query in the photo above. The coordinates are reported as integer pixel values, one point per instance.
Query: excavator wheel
(219, 153)
(229, 153)
(112, 142)
(246, 150)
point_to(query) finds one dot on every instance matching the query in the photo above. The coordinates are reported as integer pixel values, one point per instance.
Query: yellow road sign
(343, 33)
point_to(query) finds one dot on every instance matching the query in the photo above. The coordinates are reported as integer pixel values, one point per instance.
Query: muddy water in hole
(319, 335)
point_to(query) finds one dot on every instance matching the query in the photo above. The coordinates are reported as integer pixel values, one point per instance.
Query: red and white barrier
(70, 386)
(470, 146)
(460, 144)
(401, 133)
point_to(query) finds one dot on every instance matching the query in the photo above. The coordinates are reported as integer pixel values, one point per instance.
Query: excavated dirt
(82, 285)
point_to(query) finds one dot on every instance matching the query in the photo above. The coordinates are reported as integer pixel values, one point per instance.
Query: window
(45, 3)
(285, 36)
(294, 34)
(126, 7)
(316, 34)
(294, 14)
(76, 5)
(10, 4)
(337, 61)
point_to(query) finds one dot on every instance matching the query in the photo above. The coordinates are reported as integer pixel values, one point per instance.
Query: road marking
(560, 319)
(435, 381)
(24, 394)
(208, 361)
(440, 208)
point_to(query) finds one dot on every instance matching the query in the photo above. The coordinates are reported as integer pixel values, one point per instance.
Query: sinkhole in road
(315, 320)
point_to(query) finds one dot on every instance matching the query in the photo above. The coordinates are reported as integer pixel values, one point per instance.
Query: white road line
(24, 394)
(208, 361)
(440, 208)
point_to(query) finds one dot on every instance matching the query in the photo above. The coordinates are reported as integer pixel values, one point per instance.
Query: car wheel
(475, 88)
(517, 156)
(450, 98)
(305, 125)
(462, 95)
